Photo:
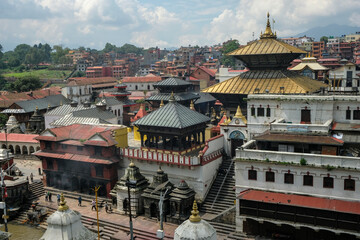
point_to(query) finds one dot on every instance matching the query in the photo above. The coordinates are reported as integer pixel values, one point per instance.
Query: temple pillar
(157, 141)
(203, 136)
(142, 139)
(164, 142)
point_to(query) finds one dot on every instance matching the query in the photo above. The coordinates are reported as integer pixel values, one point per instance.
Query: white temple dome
(195, 228)
(65, 224)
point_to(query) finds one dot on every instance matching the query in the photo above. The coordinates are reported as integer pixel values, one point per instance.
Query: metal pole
(130, 216)
(2, 194)
(161, 203)
(96, 189)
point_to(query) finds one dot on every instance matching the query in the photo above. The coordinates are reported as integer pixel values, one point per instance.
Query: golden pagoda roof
(311, 63)
(268, 44)
(261, 80)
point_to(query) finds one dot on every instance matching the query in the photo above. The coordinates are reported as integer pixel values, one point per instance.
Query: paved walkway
(139, 223)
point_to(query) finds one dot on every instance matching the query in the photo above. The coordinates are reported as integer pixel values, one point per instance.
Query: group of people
(106, 205)
(48, 196)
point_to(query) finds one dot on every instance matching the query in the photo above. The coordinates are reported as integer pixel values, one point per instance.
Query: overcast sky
(163, 23)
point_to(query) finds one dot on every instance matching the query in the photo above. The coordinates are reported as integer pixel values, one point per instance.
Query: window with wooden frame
(328, 182)
(269, 176)
(308, 180)
(289, 178)
(252, 174)
(349, 184)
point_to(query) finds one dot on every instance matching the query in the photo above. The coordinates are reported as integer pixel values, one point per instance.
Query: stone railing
(295, 158)
(213, 150)
(291, 127)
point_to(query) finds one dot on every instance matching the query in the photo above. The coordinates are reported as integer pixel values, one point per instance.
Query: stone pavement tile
(141, 223)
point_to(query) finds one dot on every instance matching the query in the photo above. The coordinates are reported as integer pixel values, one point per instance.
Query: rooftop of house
(87, 134)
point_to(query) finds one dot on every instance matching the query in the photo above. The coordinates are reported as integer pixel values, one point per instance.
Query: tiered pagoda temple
(123, 96)
(268, 59)
(180, 88)
(173, 127)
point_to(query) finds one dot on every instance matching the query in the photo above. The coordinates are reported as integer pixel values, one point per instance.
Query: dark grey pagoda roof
(172, 82)
(204, 98)
(42, 103)
(159, 184)
(109, 101)
(179, 97)
(172, 115)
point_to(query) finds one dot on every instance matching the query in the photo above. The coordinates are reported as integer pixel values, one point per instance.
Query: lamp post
(96, 189)
(160, 232)
(5, 217)
(129, 184)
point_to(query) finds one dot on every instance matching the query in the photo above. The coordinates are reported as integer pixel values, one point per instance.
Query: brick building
(79, 157)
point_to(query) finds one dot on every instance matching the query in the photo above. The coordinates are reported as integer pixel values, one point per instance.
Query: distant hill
(330, 30)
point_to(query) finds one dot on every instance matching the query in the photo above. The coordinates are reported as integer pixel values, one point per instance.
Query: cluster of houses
(293, 137)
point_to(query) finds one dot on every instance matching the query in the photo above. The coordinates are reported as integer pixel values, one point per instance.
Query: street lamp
(132, 184)
(160, 232)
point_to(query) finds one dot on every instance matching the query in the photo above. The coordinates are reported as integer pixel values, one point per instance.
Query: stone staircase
(36, 191)
(221, 195)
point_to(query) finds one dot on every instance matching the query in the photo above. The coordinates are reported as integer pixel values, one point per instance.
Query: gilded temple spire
(195, 214)
(268, 32)
(63, 206)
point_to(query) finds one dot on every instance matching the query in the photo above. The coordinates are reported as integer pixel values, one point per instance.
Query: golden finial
(49, 105)
(194, 217)
(142, 106)
(192, 106)
(228, 121)
(61, 103)
(132, 164)
(239, 114)
(268, 32)
(161, 103)
(36, 108)
(63, 206)
(172, 98)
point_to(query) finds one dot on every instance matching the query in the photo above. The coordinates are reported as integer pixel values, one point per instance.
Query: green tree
(21, 50)
(33, 57)
(58, 56)
(109, 47)
(3, 119)
(3, 83)
(324, 39)
(129, 48)
(1, 53)
(25, 84)
(225, 60)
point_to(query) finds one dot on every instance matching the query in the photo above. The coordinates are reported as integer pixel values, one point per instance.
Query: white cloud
(162, 23)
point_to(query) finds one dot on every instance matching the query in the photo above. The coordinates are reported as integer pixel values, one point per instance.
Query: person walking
(50, 194)
(93, 203)
(46, 196)
(106, 207)
(58, 199)
(31, 177)
(79, 201)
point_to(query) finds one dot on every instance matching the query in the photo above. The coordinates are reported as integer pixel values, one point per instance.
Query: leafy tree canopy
(25, 84)
(324, 39)
(229, 61)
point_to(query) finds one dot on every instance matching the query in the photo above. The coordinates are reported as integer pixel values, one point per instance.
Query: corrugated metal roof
(270, 80)
(172, 82)
(69, 120)
(66, 109)
(94, 113)
(172, 115)
(42, 103)
(184, 96)
(301, 201)
(266, 46)
(313, 66)
(299, 138)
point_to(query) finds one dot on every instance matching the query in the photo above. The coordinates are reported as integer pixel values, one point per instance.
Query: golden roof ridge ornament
(268, 32)
(162, 103)
(172, 98)
(192, 106)
(63, 207)
(194, 217)
(132, 164)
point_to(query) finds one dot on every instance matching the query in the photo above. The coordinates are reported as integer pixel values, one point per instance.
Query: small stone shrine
(151, 195)
(36, 123)
(181, 199)
(137, 185)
